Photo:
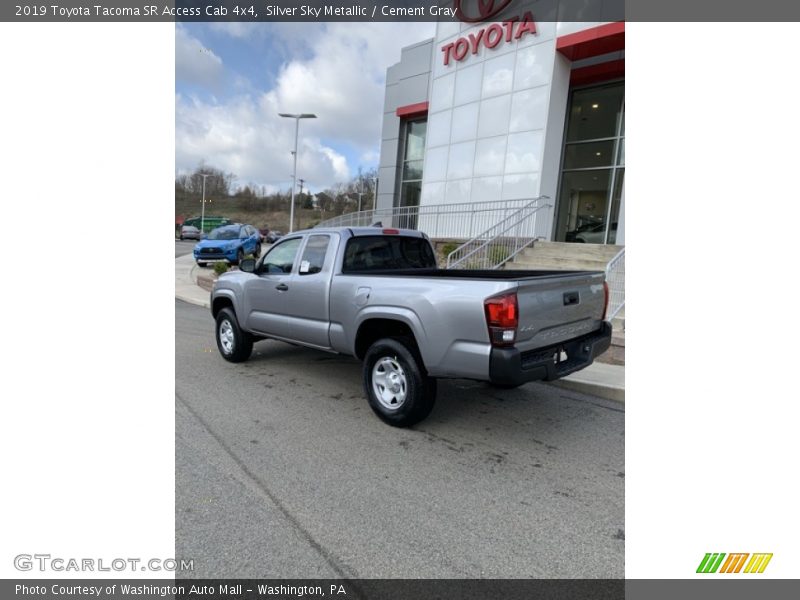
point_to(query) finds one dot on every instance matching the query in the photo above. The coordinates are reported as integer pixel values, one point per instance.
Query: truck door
(309, 291)
(266, 300)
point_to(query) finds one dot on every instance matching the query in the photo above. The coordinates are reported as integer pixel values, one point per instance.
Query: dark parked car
(190, 232)
(273, 236)
(230, 243)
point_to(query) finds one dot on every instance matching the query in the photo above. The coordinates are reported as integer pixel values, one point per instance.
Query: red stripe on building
(420, 109)
(606, 71)
(593, 42)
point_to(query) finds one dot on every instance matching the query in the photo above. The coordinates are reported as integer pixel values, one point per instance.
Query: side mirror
(248, 265)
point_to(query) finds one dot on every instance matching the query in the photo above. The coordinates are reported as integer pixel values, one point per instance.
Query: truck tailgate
(558, 308)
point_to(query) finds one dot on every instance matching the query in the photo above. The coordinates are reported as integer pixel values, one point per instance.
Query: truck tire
(234, 344)
(398, 389)
(257, 251)
(239, 257)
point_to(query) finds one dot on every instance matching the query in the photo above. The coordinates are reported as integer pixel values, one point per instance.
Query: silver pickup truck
(378, 295)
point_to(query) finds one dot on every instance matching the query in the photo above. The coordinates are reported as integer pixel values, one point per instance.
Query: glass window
(224, 233)
(412, 164)
(588, 155)
(412, 169)
(583, 203)
(615, 201)
(410, 192)
(313, 258)
(378, 253)
(593, 166)
(415, 140)
(595, 113)
(280, 258)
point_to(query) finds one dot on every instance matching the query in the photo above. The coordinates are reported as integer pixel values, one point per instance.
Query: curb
(190, 283)
(607, 392)
(194, 301)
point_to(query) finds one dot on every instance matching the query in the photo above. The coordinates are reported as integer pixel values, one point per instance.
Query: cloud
(343, 81)
(237, 29)
(335, 70)
(194, 63)
(244, 137)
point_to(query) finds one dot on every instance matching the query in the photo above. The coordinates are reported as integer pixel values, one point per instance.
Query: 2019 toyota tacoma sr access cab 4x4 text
(378, 295)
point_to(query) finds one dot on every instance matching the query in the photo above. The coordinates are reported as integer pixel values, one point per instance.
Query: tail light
(502, 318)
(605, 300)
(391, 231)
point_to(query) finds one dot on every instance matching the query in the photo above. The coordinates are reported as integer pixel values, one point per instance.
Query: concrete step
(581, 251)
(530, 253)
(559, 264)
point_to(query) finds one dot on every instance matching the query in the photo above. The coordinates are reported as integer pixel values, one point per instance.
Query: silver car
(190, 232)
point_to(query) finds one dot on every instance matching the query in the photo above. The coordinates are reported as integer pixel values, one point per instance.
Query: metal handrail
(462, 220)
(494, 247)
(615, 277)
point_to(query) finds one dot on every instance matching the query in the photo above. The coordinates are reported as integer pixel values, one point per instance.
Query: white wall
(496, 118)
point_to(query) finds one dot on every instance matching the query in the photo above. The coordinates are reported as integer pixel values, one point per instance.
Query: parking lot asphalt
(282, 470)
(184, 247)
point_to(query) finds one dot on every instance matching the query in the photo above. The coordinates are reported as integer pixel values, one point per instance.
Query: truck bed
(469, 274)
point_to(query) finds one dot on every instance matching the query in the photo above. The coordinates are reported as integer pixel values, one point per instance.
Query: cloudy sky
(232, 80)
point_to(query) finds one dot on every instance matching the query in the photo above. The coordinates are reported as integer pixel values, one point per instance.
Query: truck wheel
(239, 257)
(397, 387)
(257, 251)
(234, 344)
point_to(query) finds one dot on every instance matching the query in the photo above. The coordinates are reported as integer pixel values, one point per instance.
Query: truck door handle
(282, 287)
(571, 298)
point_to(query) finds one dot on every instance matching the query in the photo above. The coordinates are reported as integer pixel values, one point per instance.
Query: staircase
(575, 256)
(564, 256)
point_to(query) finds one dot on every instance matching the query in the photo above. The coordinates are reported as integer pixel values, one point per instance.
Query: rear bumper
(509, 366)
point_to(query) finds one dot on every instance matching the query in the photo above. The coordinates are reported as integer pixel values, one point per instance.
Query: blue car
(230, 243)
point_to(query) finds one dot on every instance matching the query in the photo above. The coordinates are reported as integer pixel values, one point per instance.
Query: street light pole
(360, 188)
(294, 170)
(203, 208)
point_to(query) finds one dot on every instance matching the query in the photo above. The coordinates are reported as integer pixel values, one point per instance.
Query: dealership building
(511, 109)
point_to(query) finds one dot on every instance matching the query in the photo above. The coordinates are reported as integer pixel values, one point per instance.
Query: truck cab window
(280, 259)
(313, 258)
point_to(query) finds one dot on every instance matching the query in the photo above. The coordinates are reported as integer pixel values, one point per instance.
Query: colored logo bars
(734, 563)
